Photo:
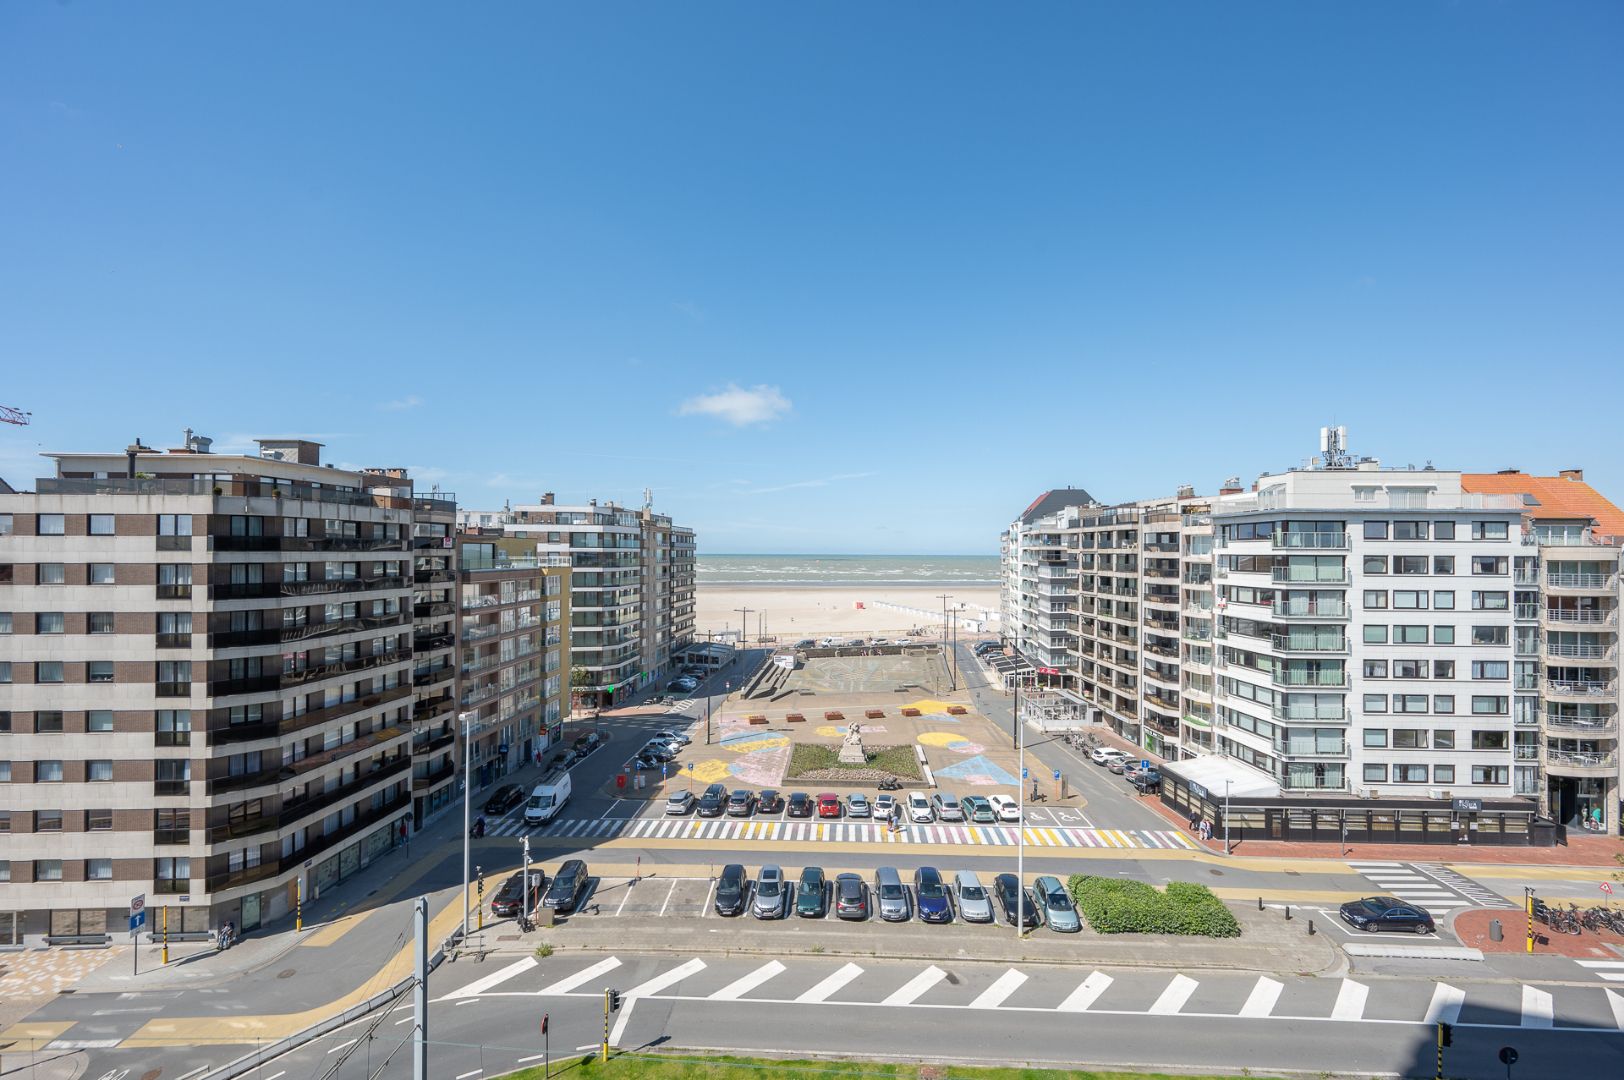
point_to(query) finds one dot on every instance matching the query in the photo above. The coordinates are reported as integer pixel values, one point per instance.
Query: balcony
(433, 609)
(1312, 714)
(1305, 644)
(1527, 611)
(292, 812)
(433, 577)
(1523, 752)
(231, 879)
(1574, 727)
(1291, 677)
(484, 632)
(174, 592)
(1318, 541)
(1587, 617)
(429, 676)
(430, 642)
(434, 777)
(273, 590)
(1307, 576)
(1580, 763)
(1580, 689)
(1580, 582)
(1311, 610)
(1560, 651)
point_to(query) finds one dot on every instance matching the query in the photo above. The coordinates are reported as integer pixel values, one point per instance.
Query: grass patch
(899, 761)
(627, 1066)
(543, 951)
(1115, 906)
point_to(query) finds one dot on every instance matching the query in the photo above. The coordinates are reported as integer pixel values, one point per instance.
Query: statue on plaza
(851, 750)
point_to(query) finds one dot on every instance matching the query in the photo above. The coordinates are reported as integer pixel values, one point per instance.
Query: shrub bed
(814, 761)
(1114, 906)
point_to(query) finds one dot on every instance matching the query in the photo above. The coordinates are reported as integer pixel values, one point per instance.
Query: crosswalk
(853, 832)
(1434, 888)
(1606, 970)
(993, 986)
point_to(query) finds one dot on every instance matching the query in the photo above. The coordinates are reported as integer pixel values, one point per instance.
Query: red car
(828, 805)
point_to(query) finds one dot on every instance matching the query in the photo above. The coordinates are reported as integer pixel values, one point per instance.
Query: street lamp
(467, 719)
(1226, 815)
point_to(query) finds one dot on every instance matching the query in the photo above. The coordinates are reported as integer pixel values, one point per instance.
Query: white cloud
(411, 401)
(823, 481)
(738, 405)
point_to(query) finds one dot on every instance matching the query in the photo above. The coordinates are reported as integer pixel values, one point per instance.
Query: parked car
(1118, 765)
(855, 643)
(1102, 755)
(646, 762)
(851, 897)
(568, 887)
(812, 894)
(1008, 890)
(713, 802)
(1006, 808)
(934, 905)
(828, 805)
(974, 903)
(1058, 910)
(679, 802)
(731, 886)
(504, 799)
(919, 808)
(857, 805)
(769, 802)
(800, 804)
(1148, 781)
(806, 643)
(946, 807)
(740, 803)
(674, 737)
(682, 684)
(891, 895)
(510, 898)
(587, 741)
(827, 643)
(1375, 913)
(883, 805)
(771, 895)
(978, 810)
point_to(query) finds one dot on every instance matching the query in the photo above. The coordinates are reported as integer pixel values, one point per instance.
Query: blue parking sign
(1144, 763)
(1023, 774)
(1057, 774)
(690, 766)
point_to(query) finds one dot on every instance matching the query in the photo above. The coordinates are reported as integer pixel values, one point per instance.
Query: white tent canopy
(1218, 774)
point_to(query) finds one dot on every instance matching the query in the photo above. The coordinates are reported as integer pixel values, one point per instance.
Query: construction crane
(15, 416)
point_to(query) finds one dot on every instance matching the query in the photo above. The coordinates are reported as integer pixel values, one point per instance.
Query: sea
(872, 570)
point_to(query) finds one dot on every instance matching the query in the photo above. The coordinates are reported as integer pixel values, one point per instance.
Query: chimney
(1509, 472)
(1572, 474)
(1231, 486)
(546, 498)
(130, 451)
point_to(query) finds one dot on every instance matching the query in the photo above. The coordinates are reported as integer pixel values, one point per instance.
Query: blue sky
(827, 277)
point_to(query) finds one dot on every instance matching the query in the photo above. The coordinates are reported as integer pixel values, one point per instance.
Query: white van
(547, 798)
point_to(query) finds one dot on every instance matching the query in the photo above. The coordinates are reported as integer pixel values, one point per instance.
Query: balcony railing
(1317, 714)
(1573, 727)
(1527, 611)
(1579, 652)
(1307, 576)
(1584, 616)
(1560, 580)
(292, 812)
(1299, 677)
(1291, 643)
(1307, 540)
(1580, 761)
(1309, 609)
(1580, 688)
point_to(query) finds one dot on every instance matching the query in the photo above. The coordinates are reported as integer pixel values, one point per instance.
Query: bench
(834, 714)
(875, 714)
(795, 718)
(80, 940)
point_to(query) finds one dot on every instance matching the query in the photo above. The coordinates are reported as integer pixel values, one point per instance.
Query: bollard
(1496, 932)
(1260, 903)
(1311, 928)
(1288, 912)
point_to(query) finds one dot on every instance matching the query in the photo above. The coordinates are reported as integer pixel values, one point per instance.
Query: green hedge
(1114, 906)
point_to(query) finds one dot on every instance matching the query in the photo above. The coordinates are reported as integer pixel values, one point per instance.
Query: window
(101, 573)
(1409, 669)
(1376, 738)
(98, 772)
(98, 869)
(98, 820)
(175, 622)
(173, 875)
(176, 573)
(5, 622)
(5, 772)
(6, 525)
(1490, 601)
(1409, 635)
(1444, 704)
(1375, 669)
(50, 525)
(1443, 774)
(1375, 774)
(1409, 738)
(1442, 669)
(1443, 530)
(1409, 564)
(174, 727)
(1443, 635)
(47, 723)
(47, 772)
(1409, 703)
(99, 720)
(1490, 740)
(47, 869)
(5, 869)
(1409, 530)
(101, 524)
(48, 671)
(1489, 530)
(1410, 600)
(47, 821)
(49, 622)
(1489, 564)
(1375, 703)
(1410, 774)
(174, 524)
(99, 671)
(1375, 564)
(1490, 705)
(5, 821)
(1375, 634)
(1490, 635)
(1443, 739)
(1491, 774)
(99, 622)
(51, 573)
(1443, 564)
(1443, 599)
(1375, 599)
(1375, 530)
(1490, 669)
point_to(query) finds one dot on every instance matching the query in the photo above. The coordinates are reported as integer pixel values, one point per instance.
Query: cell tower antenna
(1334, 448)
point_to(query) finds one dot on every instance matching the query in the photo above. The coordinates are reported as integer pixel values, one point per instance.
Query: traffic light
(614, 1001)
(1446, 1035)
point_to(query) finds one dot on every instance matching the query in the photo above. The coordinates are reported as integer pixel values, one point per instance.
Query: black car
(740, 803)
(505, 798)
(568, 887)
(769, 802)
(1007, 888)
(812, 894)
(730, 889)
(713, 802)
(510, 899)
(800, 804)
(1148, 781)
(851, 897)
(1375, 913)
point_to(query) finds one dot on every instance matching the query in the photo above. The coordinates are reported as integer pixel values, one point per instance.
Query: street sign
(690, 766)
(138, 904)
(1057, 774)
(1144, 763)
(1508, 1055)
(1023, 774)
(544, 1023)
(1607, 887)
(137, 921)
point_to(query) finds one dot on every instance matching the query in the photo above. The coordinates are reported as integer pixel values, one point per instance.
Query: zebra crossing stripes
(1434, 888)
(853, 832)
(1479, 894)
(1610, 970)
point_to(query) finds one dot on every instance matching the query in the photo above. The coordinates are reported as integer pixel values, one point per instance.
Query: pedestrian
(1195, 822)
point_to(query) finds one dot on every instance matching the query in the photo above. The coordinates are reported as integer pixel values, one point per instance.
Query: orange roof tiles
(1558, 497)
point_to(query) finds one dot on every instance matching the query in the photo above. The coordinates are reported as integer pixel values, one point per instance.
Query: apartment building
(1566, 577)
(513, 610)
(207, 692)
(1039, 594)
(631, 588)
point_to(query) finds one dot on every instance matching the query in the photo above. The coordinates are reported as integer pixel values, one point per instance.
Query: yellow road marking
(36, 1034)
(333, 931)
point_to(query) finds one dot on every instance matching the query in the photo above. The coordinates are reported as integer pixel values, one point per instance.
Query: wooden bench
(875, 714)
(100, 940)
(795, 718)
(758, 719)
(910, 712)
(834, 714)
(957, 710)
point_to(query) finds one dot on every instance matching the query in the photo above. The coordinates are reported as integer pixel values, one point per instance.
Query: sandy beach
(794, 612)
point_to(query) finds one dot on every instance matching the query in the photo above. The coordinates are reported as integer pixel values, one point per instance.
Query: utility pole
(1020, 826)
(744, 623)
(420, 994)
(467, 812)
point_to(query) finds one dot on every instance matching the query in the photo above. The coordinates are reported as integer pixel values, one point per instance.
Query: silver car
(1055, 903)
(891, 895)
(975, 905)
(772, 893)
